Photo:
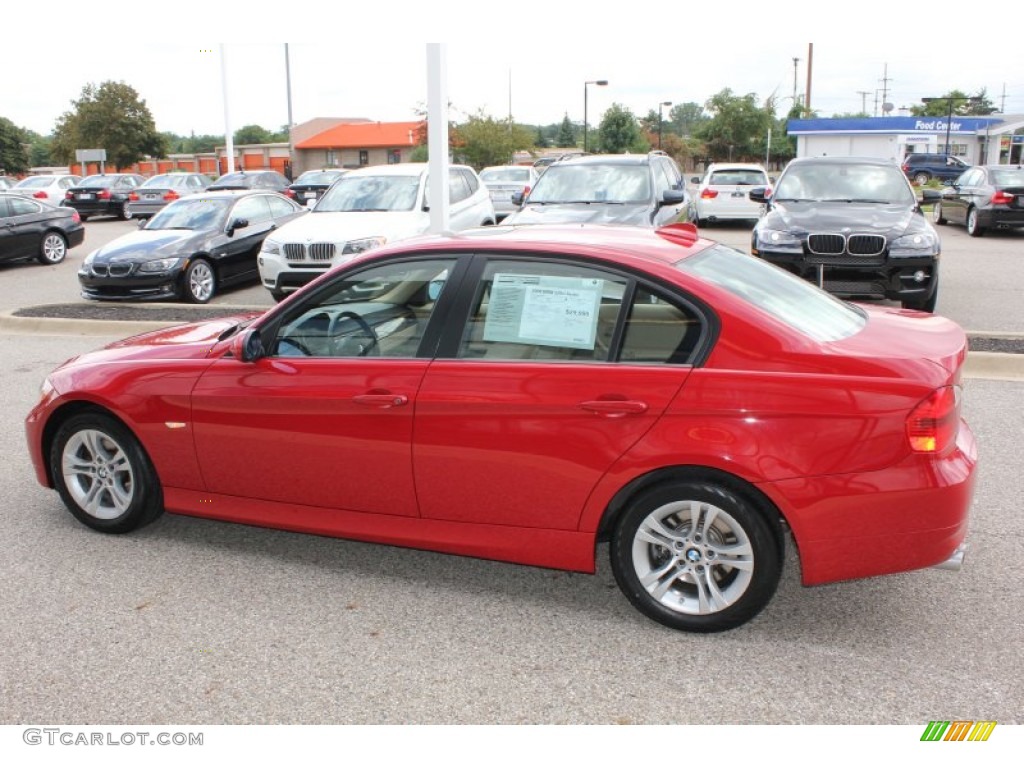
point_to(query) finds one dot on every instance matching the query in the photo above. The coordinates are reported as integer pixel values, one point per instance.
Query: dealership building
(990, 140)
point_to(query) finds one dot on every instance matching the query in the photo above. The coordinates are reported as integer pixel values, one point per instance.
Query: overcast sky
(531, 57)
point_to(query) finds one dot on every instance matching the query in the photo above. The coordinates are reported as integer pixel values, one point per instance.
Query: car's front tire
(103, 474)
(124, 213)
(199, 282)
(53, 248)
(696, 556)
(937, 216)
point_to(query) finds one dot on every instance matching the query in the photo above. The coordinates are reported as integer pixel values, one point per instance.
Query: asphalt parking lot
(195, 621)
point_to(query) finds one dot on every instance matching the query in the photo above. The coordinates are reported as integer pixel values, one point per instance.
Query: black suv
(645, 190)
(921, 168)
(853, 226)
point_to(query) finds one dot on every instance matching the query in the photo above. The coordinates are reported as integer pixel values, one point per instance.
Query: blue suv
(923, 167)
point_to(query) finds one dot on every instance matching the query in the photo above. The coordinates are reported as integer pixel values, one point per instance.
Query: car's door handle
(387, 400)
(614, 408)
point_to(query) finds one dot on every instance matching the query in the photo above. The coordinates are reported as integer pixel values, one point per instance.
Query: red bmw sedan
(524, 394)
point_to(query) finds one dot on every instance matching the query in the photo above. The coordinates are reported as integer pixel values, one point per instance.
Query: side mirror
(673, 197)
(237, 224)
(760, 195)
(517, 198)
(248, 346)
(142, 223)
(695, 179)
(930, 195)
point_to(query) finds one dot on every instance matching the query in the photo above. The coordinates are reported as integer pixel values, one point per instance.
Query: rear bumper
(902, 518)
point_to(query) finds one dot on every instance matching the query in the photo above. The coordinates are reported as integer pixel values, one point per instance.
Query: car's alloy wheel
(937, 216)
(696, 556)
(125, 213)
(200, 282)
(103, 475)
(973, 228)
(921, 178)
(53, 248)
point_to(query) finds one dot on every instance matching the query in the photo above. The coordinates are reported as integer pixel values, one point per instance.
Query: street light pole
(588, 82)
(660, 105)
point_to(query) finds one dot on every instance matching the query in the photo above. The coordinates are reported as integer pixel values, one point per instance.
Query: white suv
(364, 209)
(721, 194)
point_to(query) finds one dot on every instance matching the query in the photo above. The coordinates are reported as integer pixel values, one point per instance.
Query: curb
(999, 366)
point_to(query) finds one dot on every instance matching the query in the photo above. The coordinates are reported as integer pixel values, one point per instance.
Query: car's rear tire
(937, 216)
(125, 212)
(922, 178)
(199, 283)
(103, 475)
(974, 229)
(696, 556)
(53, 248)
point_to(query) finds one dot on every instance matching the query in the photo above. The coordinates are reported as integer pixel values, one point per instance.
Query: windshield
(370, 193)
(521, 175)
(844, 183)
(201, 213)
(593, 183)
(796, 302)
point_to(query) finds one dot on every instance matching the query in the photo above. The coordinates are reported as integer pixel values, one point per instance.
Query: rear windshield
(1011, 177)
(318, 177)
(233, 179)
(34, 182)
(739, 177)
(786, 297)
(505, 174)
(96, 181)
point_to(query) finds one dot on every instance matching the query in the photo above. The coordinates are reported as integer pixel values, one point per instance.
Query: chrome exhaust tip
(955, 561)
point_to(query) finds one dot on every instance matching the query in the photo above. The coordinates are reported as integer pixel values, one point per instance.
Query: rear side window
(551, 312)
(786, 297)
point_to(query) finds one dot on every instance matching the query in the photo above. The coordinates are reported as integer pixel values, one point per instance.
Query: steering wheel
(286, 345)
(363, 344)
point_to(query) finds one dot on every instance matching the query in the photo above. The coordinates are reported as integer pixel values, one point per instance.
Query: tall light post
(949, 118)
(660, 105)
(588, 82)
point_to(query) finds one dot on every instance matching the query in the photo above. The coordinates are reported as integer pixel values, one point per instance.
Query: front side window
(378, 312)
(253, 209)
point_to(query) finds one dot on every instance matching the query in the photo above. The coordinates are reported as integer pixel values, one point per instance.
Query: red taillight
(906, 167)
(69, 196)
(526, 191)
(133, 196)
(932, 426)
(40, 194)
(75, 218)
(288, 193)
(103, 194)
(171, 195)
(1002, 198)
(708, 194)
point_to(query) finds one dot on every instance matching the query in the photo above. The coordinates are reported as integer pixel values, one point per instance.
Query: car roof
(605, 160)
(229, 193)
(397, 169)
(624, 244)
(836, 160)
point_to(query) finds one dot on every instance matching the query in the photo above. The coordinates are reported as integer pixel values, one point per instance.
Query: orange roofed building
(354, 145)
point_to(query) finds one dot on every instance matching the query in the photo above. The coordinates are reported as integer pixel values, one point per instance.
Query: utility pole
(885, 87)
(810, 71)
(863, 100)
(795, 62)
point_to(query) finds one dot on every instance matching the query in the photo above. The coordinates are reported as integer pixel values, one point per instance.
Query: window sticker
(549, 311)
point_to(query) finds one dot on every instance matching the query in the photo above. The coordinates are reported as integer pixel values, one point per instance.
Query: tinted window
(834, 181)
(1008, 177)
(23, 207)
(458, 189)
(253, 209)
(659, 330)
(97, 181)
(280, 207)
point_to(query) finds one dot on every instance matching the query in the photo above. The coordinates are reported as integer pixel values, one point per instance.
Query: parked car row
(32, 228)
(983, 198)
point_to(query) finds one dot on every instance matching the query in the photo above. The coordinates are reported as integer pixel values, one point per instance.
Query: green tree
(253, 134)
(738, 126)
(484, 141)
(620, 132)
(110, 116)
(979, 104)
(686, 118)
(566, 133)
(13, 157)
